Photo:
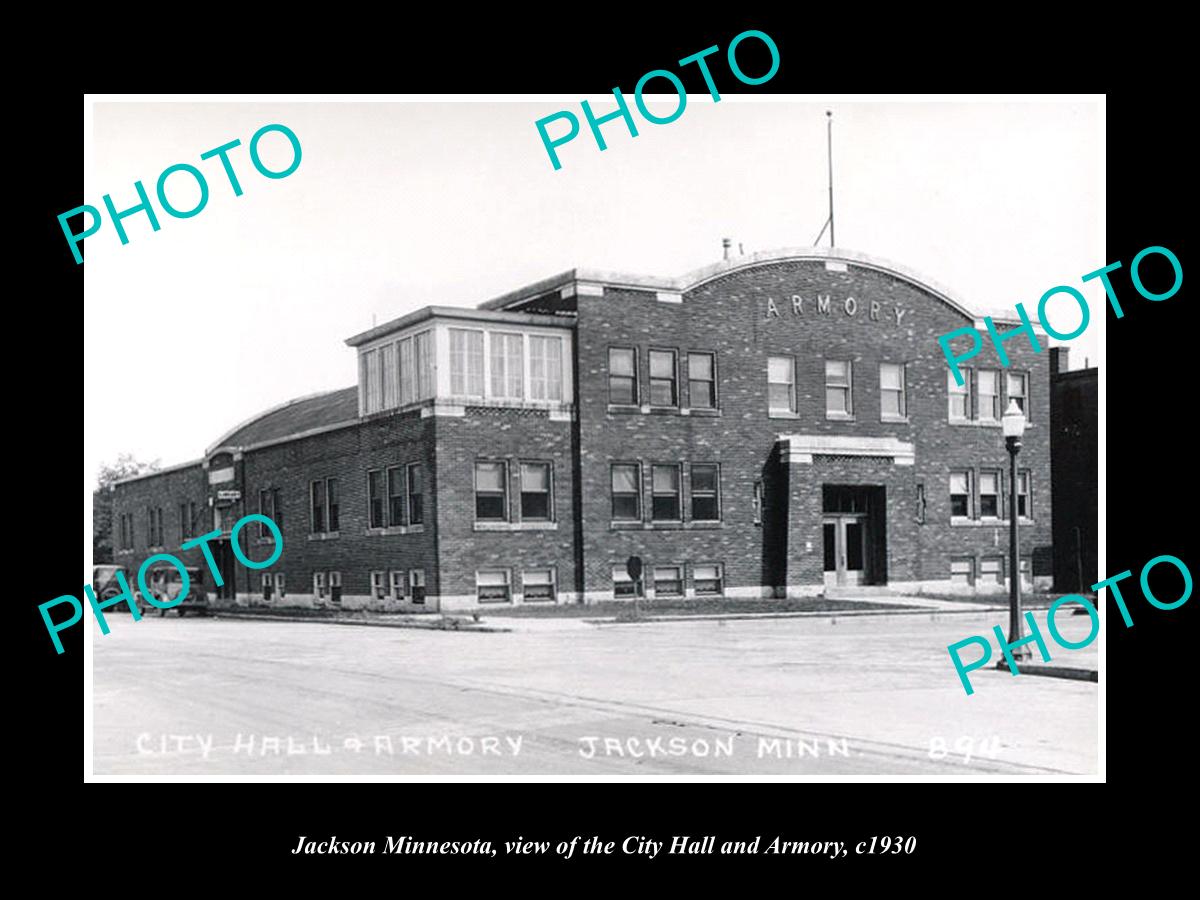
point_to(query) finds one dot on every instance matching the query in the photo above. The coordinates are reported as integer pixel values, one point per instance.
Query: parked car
(165, 584)
(105, 585)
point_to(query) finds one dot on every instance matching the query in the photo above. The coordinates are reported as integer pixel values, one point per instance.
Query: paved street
(819, 695)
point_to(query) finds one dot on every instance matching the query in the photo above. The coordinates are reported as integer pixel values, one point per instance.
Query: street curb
(913, 611)
(417, 626)
(1061, 672)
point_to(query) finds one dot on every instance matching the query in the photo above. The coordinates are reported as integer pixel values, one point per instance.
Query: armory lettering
(185, 582)
(823, 305)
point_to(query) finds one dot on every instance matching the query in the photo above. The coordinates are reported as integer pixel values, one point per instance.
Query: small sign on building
(229, 495)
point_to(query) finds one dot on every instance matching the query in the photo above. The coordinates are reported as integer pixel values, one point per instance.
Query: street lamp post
(1013, 424)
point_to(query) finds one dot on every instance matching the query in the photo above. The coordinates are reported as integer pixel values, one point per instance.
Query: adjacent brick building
(780, 424)
(1074, 469)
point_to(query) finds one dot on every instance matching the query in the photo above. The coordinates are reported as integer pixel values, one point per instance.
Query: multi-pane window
(991, 570)
(183, 521)
(535, 491)
(545, 368)
(626, 491)
(989, 495)
(271, 506)
(893, 404)
(466, 362)
(960, 395)
(508, 365)
(706, 504)
(388, 366)
(491, 491)
(622, 375)
(1018, 384)
(375, 499)
(416, 511)
(423, 354)
(149, 526)
(664, 493)
(538, 585)
(416, 585)
(159, 530)
(408, 386)
(663, 388)
(623, 585)
(960, 494)
(280, 585)
(987, 389)
(378, 585)
(781, 384)
(707, 581)
(838, 394)
(323, 505)
(396, 584)
(668, 581)
(319, 585)
(492, 586)
(268, 586)
(335, 587)
(396, 495)
(369, 373)
(962, 570)
(331, 497)
(1024, 507)
(702, 380)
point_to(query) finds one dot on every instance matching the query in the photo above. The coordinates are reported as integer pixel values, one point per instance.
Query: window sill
(781, 414)
(838, 417)
(395, 529)
(626, 408)
(894, 420)
(666, 526)
(976, 423)
(701, 411)
(963, 522)
(125, 552)
(661, 410)
(516, 526)
(324, 535)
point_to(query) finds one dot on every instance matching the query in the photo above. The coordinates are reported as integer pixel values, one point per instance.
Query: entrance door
(844, 549)
(225, 565)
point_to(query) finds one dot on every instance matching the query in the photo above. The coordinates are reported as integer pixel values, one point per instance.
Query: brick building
(1074, 473)
(779, 424)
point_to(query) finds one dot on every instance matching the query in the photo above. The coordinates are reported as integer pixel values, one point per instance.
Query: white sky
(191, 329)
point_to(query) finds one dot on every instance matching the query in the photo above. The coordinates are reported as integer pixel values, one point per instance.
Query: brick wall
(508, 435)
(731, 316)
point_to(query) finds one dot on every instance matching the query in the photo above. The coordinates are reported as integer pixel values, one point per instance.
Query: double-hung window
(622, 376)
(491, 491)
(781, 384)
(960, 494)
(839, 401)
(535, 492)
(626, 492)
(706, 499)
(987, 390)
(702, 380)
(960, 396)
(893, 404)
(663, 386)
(664, 491)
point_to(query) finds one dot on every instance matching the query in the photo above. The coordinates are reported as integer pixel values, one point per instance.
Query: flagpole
(829, 114)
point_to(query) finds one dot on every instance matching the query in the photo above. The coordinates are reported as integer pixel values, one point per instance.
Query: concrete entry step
(851, 592)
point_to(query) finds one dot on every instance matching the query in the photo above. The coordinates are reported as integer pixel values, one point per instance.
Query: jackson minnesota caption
(633, 845)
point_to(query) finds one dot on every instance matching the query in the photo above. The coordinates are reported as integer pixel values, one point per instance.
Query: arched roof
(304, 414)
